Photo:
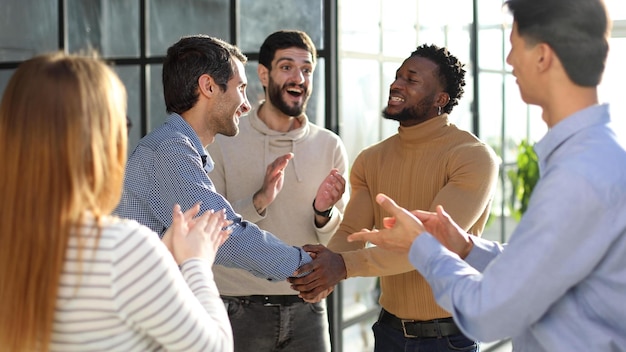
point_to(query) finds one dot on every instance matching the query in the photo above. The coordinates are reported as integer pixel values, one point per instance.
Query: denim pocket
(234, 307)
(461, 343)
(318, 308)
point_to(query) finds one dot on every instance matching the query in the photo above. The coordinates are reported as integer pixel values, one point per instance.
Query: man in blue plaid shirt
(204, 86)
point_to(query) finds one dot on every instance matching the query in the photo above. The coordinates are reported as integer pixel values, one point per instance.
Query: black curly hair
(451, 72)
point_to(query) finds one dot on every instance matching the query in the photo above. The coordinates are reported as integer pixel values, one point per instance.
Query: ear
(263, 73)
(545, 56)
(442, 99)
(206, 85)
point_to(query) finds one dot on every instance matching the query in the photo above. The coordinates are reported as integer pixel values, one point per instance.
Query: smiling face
(232, 104)
(290, 81)
(414, 94)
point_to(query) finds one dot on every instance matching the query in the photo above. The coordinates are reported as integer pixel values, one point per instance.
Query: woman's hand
(198, 237)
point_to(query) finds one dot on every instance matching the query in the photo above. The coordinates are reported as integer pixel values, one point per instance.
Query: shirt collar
(179, 124)
(559, 133)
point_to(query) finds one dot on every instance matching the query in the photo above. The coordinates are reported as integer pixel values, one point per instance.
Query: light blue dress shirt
(167, 168)
(560, 282)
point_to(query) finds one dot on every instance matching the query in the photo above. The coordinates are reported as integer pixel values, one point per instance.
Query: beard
(418, 113)
(275, 96)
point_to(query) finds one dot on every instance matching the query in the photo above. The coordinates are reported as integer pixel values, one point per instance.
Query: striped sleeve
(180, 312)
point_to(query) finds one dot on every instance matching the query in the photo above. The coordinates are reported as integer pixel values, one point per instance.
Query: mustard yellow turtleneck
(420, 167)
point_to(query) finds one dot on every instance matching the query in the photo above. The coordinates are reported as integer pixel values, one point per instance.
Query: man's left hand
(330, 191)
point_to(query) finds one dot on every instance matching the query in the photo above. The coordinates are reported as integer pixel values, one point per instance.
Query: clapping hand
(330, 191)
(401, 229)
(272, 183)
(196, 237)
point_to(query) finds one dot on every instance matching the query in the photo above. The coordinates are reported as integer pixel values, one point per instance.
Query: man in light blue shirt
(560, 282)
(204, 85)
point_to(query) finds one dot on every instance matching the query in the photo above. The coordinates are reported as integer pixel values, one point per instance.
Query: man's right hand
(272, 184)
(401, 229)
(324, 272)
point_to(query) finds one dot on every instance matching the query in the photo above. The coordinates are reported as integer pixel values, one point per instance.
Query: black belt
(268, 300)
(418, 329)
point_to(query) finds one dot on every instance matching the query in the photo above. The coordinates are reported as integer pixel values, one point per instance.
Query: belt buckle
(406, 334)
(267, 303)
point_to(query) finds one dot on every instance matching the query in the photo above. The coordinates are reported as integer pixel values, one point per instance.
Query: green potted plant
(523, 179)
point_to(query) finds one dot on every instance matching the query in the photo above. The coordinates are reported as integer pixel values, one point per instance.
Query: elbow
(224, 339)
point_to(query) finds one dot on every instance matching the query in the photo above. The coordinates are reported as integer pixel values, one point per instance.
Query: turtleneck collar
(426, 130)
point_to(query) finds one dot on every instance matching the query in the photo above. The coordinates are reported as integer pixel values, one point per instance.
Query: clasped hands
(324, 272)
(399, 232)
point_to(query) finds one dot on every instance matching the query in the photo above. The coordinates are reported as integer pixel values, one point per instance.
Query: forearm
(260, 253)
(199, 277)
(247, 209)
(154, 297)
(325, 232)
(358, 215)
(374, 261)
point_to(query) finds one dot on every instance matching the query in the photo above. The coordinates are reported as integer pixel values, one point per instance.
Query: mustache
(394, 90)
(295, 85)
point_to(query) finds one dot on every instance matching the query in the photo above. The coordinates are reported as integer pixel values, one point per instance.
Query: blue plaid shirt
(167, 168)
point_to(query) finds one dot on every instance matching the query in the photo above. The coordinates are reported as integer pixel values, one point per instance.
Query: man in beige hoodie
(288, 176)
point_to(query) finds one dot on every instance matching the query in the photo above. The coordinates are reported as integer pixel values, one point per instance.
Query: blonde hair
(63, 151)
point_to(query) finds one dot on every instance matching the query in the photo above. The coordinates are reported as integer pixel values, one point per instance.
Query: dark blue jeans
(301, 327)
(388, 339)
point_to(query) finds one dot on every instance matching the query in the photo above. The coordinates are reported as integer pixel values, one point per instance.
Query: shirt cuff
(423, 247)
(482, 253)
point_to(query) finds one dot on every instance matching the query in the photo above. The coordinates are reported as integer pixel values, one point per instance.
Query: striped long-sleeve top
(128, 294)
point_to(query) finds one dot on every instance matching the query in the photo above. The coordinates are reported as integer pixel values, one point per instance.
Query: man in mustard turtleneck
(429, 162)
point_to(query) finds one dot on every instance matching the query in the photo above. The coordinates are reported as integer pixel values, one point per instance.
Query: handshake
(324, 272)
(398, 233)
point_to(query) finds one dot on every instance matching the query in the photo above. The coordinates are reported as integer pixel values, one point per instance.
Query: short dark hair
(284, 39)
(451, 72)
(188, 59)
(577, 31)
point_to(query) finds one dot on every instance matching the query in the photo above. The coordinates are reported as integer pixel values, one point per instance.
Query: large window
(505, 120)
(134, 36)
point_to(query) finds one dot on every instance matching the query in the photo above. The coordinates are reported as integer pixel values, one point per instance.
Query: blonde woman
(74, 278)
